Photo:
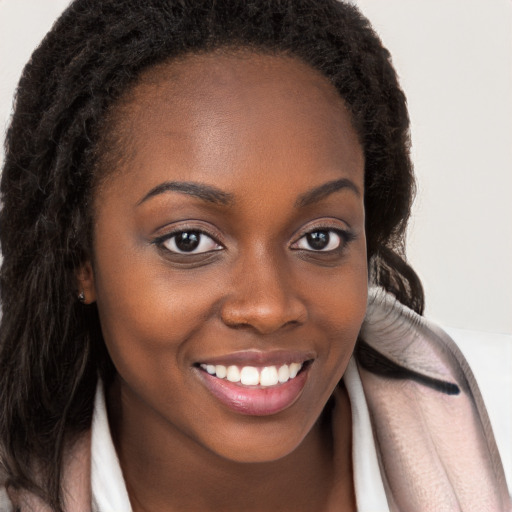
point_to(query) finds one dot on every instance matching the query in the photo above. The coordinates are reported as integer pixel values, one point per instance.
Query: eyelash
(345, 237)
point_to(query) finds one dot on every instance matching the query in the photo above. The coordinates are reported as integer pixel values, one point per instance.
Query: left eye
(320, 240)
(190, 242)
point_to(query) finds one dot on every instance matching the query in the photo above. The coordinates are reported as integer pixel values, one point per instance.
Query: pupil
(318, 239)
(187, 241)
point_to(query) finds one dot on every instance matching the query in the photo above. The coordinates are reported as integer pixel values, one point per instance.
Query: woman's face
(230, 245)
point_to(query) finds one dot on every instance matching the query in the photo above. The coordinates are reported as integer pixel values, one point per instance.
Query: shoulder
(432, 429)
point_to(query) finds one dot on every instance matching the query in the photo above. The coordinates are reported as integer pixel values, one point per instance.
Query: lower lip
(256, 401)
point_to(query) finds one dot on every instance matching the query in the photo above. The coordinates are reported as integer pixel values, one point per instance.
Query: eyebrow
(322, 191)
(200, 190)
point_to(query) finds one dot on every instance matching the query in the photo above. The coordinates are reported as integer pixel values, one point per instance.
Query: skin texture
(264, 130)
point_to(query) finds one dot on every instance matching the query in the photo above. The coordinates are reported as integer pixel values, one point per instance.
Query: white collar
(369, 489)
(109, 492)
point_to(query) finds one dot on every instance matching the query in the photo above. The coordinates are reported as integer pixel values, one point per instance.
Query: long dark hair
(51, 347)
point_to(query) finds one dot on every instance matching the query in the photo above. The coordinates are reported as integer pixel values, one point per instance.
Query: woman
(195, 198)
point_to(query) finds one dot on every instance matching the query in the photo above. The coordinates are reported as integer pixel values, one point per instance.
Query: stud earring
(81, 297)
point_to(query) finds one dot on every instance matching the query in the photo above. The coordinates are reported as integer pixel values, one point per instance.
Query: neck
(164, 469)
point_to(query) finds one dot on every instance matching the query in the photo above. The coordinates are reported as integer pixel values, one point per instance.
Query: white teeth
(221, 371)
(283, 374)
(294, 369)
(249, 376)
(268, 376)
(252, 376)
(233, 374)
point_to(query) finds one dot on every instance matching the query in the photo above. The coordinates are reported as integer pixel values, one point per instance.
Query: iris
(188, 241)
(318, 240)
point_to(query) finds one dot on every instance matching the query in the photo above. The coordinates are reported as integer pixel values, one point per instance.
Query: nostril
(292, 323)
(240, 326)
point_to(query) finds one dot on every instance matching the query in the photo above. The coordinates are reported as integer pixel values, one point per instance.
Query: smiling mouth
(253, 389)
(263, 377)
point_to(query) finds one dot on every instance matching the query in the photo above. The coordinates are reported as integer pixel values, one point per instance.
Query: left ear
(85, 283)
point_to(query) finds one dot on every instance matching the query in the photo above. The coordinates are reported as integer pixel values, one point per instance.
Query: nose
(262, 297)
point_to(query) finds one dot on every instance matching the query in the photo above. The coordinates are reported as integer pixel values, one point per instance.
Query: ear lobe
(85, 281)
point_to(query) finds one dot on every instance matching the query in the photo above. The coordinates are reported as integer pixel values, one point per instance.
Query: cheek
(338, 297)
(150, 323)
(337, 306)
(147, 315)
(344, 310)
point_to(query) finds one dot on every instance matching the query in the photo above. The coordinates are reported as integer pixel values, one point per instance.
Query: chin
(260, 443)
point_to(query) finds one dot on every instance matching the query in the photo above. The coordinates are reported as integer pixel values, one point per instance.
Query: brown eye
(190, 242)
(319, 240)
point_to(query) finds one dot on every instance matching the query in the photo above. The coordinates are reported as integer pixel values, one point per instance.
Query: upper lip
(260, 358)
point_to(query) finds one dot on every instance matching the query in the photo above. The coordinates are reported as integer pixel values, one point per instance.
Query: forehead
(233, 77)
(212, 113)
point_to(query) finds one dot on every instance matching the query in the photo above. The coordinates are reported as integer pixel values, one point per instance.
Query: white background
(454, 59)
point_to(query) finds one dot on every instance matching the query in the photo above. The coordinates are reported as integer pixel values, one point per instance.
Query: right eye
(320, 240)
(189, 242)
